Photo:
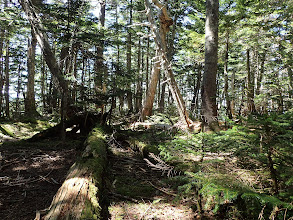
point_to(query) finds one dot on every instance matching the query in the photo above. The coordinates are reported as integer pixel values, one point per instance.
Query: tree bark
(100, 68)
(138, 98)
(43, 85)
(170, 52)
(250, 85)
(226, 85)
(17, 104)
(147, 62)
(162, 98)
(128, 60)
(30, 103)
(197, 84)
(152, 87)
(48, 54)
(7, 81)
(260, 74)
(44, 44)
(160, 40)
(2, 34)
(209, 87)
(233, 94)
(79, 195)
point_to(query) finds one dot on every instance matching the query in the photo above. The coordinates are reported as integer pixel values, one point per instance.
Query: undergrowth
(244, 172)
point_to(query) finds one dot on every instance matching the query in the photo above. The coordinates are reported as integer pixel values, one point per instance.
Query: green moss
(133, 188)
(6, 131)
(94, 159)
(90, 211)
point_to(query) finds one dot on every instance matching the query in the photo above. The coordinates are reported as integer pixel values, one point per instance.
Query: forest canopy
(106, 54)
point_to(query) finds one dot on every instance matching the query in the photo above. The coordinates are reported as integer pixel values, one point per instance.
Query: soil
(31, 174)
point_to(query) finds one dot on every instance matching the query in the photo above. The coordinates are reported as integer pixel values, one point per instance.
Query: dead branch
(160, 165)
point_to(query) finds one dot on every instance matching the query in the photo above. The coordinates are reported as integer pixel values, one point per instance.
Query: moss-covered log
(78, 197)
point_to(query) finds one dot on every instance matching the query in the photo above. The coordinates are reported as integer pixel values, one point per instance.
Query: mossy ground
(22, 130)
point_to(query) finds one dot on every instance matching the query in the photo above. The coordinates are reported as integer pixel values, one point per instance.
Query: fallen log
(78, 197)
(79, 122)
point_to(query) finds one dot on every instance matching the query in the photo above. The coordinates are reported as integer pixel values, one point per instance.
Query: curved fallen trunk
(78, 197)
(80, 122)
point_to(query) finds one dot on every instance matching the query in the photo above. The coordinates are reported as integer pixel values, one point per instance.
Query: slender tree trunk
(138, 99)
(260, 75)
(128, 58)
(209, 87)
(2, 34)
(74, 90)
(162, 98)
(226, 86)
(194, 103)
(233, 94)
(250, 84)
(159, 91)
(44, 85)
(147, 62)
(17, 104)
(30, 103)
(7, 81)
(290, 74)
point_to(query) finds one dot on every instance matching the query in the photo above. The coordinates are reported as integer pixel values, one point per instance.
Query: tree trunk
(170, 52)
(162, 98)
(152, 87)
(147, 62)
(128, 59)
(194, 103)
(48, 54)
(17, 104)
(30, 103)
(7, 109)
(250, 85)
(233, 94)
(260, 75)
(226, 86)
(160, 40)
(78, 197)
(138, 98)
(209, 87)
(100, 68)
(2, 34)
(43, 41)
(43, 85)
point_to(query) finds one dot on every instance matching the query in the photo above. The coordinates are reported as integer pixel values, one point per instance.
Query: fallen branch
(163, 190)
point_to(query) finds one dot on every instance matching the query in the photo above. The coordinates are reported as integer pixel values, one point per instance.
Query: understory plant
(244, 172)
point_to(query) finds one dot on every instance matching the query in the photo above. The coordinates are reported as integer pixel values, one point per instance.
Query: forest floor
(32, 172)
(138, 190)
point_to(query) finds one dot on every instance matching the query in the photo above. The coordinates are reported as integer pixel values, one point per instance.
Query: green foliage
(239, 166)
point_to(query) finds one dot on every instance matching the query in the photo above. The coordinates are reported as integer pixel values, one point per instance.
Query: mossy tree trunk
(78, 197)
